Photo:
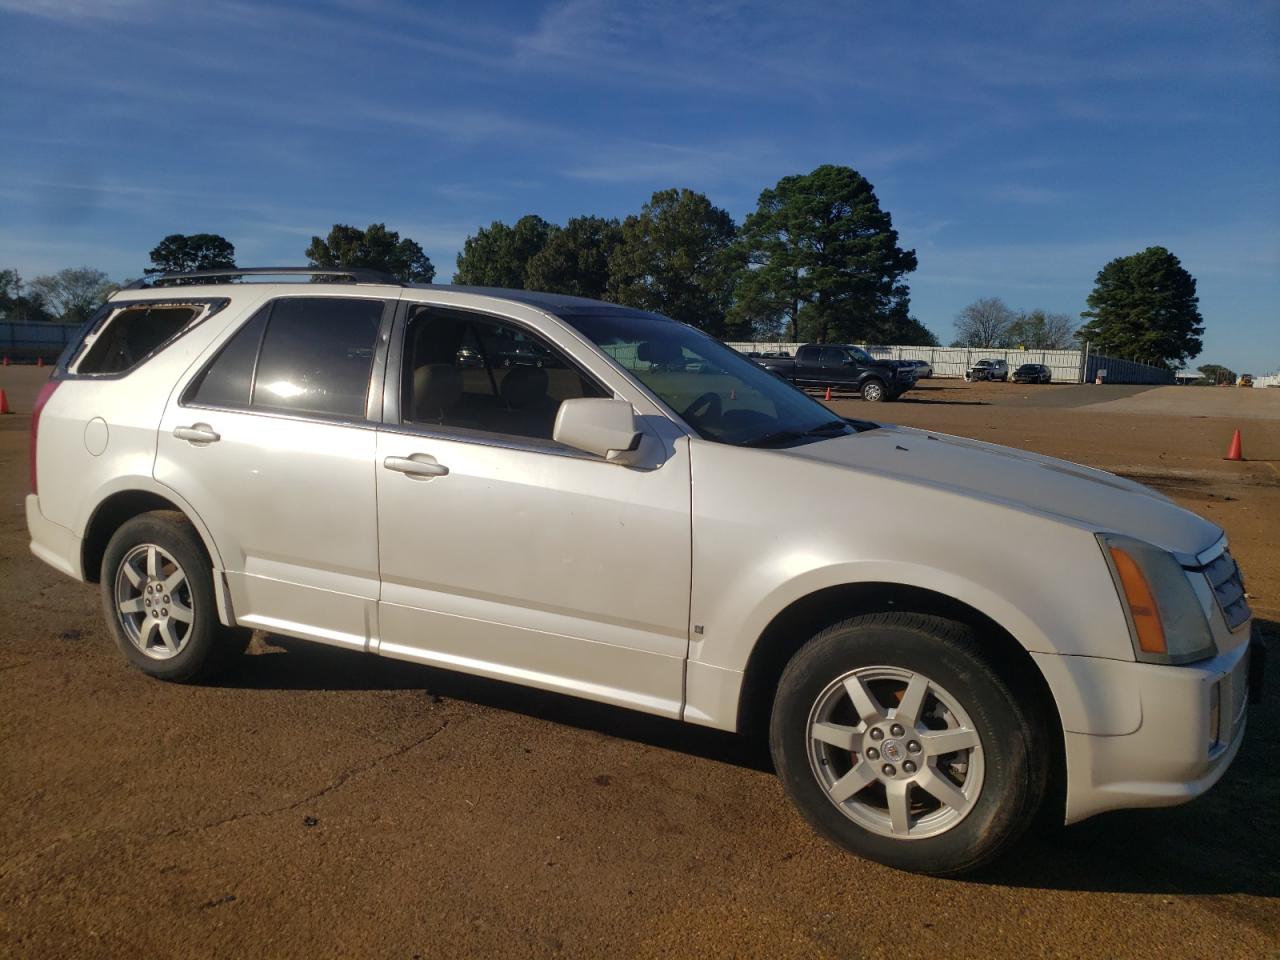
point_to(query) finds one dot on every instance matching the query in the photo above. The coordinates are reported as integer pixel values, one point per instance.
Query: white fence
(1067, 366)
(1270, 380)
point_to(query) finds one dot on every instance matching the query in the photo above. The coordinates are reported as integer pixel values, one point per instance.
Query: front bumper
(1146, 735)
(52, 542)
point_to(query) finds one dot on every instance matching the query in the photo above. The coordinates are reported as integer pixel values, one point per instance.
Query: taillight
(41, 399)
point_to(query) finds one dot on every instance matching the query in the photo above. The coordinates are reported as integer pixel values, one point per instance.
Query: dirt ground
(322, 803)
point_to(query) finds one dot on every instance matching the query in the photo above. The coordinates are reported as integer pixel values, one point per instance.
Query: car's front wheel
(873, 390)
(900, 741)
(157, 595)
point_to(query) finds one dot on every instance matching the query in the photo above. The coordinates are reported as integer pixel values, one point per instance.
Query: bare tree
(984, 323)
(74, 293)
(1059, 332)
(1038, 330)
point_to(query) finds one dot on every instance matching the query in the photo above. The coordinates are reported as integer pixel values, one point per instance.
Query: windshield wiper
(831, 428)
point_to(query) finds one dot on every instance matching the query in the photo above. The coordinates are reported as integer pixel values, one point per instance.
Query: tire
(951, 812)
(873, 391)
(156, 561)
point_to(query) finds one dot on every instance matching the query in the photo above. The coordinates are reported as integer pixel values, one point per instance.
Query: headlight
(1166, 621)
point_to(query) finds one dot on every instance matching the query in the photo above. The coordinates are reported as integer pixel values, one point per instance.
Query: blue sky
(1018, 146)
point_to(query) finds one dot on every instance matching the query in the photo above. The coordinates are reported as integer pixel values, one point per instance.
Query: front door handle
(197, 433)
(417, 465)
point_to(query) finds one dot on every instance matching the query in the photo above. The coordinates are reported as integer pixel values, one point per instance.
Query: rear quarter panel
(98, 434)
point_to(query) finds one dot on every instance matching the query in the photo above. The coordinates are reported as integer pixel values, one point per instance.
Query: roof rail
(356, 275)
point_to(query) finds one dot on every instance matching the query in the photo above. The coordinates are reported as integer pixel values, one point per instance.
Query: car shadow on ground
(948, 394)
(1227, 841)
(932, 395)
(283, 663)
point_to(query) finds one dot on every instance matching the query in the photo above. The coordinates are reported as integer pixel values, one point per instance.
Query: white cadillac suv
(586, 498)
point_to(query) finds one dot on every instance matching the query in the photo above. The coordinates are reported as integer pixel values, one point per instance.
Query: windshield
(716, 390)
(860, 355)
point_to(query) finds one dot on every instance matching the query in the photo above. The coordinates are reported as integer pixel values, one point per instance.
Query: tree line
(818, 259)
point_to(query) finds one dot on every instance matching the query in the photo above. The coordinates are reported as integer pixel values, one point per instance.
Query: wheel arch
(804, 617)
(116, 507)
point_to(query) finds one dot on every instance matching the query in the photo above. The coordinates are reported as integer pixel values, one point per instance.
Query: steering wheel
(709, 400)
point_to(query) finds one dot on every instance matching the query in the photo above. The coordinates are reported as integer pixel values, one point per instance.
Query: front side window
(716, 390)
(833, 357)
(476, 374)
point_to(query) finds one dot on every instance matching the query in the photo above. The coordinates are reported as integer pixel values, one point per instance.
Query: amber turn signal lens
(1142, 605)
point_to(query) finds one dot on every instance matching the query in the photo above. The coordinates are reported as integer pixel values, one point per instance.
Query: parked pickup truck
(844, 365)
(650, 520)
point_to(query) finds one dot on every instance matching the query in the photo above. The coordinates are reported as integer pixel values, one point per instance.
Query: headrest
(658, 351)
(523, 386)
(436, 388)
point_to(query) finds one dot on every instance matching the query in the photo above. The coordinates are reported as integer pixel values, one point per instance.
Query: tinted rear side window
(227, 381)
(133, 334)
(317, 356)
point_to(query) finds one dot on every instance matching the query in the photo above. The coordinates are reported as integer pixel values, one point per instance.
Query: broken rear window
(133, 332)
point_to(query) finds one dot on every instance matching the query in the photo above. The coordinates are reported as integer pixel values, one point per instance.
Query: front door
(837, 365)
(508, 555)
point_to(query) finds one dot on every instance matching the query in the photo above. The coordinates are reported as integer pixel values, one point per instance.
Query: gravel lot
(321, 803)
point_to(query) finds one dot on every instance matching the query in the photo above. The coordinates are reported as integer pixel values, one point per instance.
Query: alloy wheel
(153, 601)
(895, 752)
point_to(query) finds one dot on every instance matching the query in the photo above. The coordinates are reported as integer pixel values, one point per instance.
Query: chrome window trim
(330, 420)
(481, 438)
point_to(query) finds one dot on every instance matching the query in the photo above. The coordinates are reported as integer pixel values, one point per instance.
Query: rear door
(272, 443)
(808, 365)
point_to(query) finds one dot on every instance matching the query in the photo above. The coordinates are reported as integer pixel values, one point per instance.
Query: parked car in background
(648, 520)
(924, 369)
(1032, 373)
(989, 369)
(848, 366)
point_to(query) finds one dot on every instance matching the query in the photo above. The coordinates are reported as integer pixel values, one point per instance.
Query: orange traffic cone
(1235, 453)
(828, 396)
(4, 402)
(39, 361)
(6, 361)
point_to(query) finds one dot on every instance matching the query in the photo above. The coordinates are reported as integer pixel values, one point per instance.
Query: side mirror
(604, 427)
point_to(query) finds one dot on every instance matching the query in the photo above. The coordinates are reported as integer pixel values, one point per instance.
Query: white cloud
(78, 10)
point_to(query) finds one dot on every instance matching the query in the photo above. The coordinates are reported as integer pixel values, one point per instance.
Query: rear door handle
(417, 465)
(197, 433)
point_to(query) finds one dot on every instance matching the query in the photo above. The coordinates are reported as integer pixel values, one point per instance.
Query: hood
(1059, 488)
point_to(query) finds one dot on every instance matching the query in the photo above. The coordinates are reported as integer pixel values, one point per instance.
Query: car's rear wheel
(900, 741)
(157, 595)
(873, 390)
